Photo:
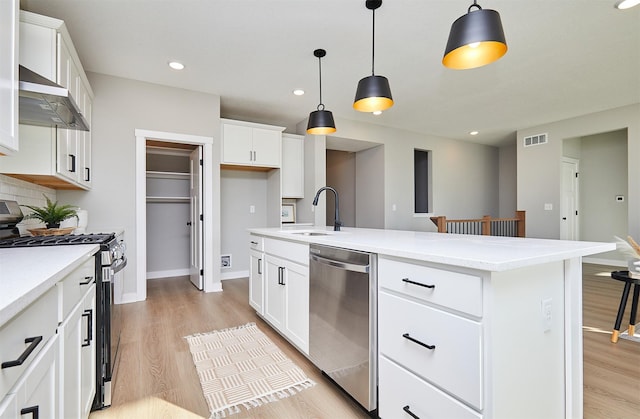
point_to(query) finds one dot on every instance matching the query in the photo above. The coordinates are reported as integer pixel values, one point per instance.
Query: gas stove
(67, 239)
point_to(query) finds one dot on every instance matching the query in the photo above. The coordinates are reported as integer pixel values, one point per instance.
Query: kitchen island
(501, 319)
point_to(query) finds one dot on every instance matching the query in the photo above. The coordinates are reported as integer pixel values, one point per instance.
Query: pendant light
(373, 92)
(476, 39)
(320, 120)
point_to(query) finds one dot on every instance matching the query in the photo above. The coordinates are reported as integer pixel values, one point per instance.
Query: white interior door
(569, 213)
(195, 194)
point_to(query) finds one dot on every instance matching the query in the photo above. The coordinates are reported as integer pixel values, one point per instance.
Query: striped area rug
(241, 367)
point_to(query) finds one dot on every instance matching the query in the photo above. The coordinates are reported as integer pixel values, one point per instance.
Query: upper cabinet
(250, 144)
(54, 157)
(8, 76)
(292, 166)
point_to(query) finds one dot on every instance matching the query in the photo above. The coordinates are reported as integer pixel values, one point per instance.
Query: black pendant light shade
(476, 39)
(373, 92)
(320, 121)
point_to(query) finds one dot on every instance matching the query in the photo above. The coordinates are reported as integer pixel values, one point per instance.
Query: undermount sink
(311, 233)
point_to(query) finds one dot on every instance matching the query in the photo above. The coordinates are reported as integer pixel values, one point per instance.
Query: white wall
(465, 175)
(539, 167)
(341, 175)
(120, 107)
(370, 188)
(507, 184)
(239, 190)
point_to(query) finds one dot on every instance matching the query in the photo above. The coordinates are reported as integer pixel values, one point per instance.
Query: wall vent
(535, 140)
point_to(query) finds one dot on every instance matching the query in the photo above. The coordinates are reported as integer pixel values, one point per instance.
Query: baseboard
(608, 262)
(127, 298)
(234, 275)
(168, 273)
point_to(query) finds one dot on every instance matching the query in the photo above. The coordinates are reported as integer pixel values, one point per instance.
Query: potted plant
(52, 214)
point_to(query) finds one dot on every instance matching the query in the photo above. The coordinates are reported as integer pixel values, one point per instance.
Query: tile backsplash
(24, 193)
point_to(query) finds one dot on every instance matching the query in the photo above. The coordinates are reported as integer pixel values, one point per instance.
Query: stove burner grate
(67, 239)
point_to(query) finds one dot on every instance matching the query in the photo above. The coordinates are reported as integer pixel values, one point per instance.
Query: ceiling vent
(535, 140)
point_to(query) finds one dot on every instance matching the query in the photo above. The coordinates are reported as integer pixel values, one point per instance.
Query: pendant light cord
(373, 41)
(320, 73)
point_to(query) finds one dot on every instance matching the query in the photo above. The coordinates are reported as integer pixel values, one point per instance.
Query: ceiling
(566, 58)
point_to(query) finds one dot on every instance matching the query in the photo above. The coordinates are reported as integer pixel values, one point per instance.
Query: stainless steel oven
(343, 320)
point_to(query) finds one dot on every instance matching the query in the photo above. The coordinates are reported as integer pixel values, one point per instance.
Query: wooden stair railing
(486, 226)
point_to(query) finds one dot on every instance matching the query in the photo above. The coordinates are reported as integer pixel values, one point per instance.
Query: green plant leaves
(51, 214)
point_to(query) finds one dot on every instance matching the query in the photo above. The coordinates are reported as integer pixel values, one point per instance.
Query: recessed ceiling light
(176, 65)
(627, 4)
(298, 92)
(473, 133)
(377, 113)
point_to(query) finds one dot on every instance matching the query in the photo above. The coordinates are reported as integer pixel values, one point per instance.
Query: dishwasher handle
(341, 265)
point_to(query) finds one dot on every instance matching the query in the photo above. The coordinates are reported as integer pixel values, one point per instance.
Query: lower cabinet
(256, 285)
(88, 353)
(286, 305)
(36, 392)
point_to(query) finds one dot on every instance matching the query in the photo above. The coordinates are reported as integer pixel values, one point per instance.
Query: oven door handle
(119, 265)
(341, 265)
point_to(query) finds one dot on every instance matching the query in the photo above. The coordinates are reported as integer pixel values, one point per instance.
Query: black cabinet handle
(87, 280)
(281, 275)
(254, 243)
(89, 315)
(259, 266)
(87, 174)
(407, 280)
(408, 411)
(73, 163)
(406, 336)
(188, 223)
(34, 341)
(33, 410)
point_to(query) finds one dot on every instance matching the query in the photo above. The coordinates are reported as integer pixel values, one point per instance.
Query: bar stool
(624, 276)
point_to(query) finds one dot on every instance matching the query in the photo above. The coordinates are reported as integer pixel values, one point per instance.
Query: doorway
(210, 178)
(569, 204)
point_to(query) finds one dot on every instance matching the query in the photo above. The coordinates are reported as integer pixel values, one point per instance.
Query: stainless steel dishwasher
(343, 320)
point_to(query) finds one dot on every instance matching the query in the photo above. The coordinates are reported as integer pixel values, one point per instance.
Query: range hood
(45, 103)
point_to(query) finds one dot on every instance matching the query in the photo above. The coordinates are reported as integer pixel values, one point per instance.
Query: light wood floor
(156, 377)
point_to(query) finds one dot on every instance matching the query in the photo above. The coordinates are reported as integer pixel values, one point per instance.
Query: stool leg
(634, 309)
(623, 303)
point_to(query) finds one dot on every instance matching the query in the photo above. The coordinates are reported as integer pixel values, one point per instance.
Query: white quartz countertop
(28, 272)
(487, 253)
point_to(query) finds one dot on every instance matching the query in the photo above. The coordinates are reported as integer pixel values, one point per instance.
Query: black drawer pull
(33, 410)
(254, 243)
(259, 266)
(406, 336)
(87, 280)
(87, 174)
(281, 275)
(89, 315)
(73, 163)
(34, 341)
(407, 280)
(407, 409)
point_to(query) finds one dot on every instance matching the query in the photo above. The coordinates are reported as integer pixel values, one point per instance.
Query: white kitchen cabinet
(9, 76)
(256, 284)
(292, 166)
(460, 336)
(88, 353)
(285, 282)
(249, 144)
(53, 157)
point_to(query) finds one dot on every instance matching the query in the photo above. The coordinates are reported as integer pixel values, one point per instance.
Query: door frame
(210, 204)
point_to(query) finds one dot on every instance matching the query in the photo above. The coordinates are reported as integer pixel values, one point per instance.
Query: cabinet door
(256, 288)
(88, 353)
(275, 292)
(83, 163)
(70, 335)
(296, 279)
(292, 171)
(267, 145)
(9, 76)
(38, 389)
(67, 153)
(236, 144)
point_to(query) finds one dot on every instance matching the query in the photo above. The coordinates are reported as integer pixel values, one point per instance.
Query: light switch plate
(548, 207)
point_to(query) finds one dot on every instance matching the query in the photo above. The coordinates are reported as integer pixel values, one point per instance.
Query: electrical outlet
(546, 311)
(225, 261)
(252, 209)
(548, 207)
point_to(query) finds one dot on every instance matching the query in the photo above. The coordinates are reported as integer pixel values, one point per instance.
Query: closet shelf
(168, 199)
(168, 175)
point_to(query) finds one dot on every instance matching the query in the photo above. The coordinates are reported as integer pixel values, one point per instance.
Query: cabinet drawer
(400, 389)
(454, 290)
(39, 319)
(73, 287)
(297, 252)
(256, 243)
(455, 364)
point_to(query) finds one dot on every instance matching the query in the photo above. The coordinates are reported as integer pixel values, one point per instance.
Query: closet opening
(174, 218)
